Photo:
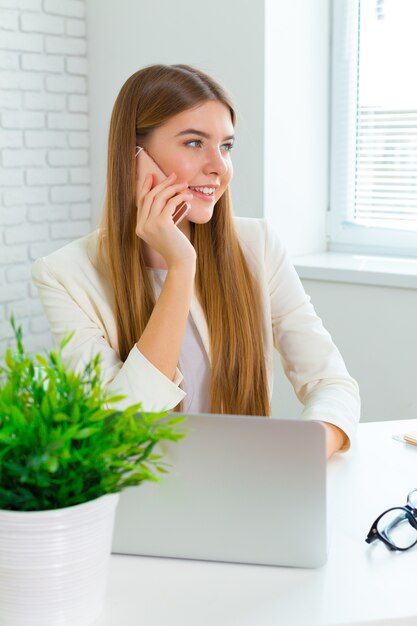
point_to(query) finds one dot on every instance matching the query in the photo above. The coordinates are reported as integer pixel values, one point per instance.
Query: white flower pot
(53, 564)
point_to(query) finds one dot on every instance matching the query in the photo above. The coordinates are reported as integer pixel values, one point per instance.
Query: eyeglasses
(397, 527)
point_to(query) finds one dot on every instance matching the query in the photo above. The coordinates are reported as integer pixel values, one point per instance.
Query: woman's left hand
(335, 438)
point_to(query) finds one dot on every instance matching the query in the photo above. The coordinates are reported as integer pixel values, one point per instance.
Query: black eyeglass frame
(410, 513)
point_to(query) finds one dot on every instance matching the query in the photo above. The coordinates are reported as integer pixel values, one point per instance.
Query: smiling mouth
(206, 191)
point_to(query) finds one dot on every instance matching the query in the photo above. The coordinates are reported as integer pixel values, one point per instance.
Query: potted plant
(65, 454)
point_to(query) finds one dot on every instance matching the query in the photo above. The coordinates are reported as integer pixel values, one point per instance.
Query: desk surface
(360, 584)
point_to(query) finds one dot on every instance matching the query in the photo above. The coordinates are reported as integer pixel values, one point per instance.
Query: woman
(188, 314)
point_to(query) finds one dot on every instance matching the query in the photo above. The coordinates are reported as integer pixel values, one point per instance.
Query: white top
(193, 362)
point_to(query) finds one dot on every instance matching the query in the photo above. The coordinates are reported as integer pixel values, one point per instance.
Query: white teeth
(207, 190)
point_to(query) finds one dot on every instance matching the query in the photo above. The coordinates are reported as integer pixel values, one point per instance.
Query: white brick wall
(44, 149)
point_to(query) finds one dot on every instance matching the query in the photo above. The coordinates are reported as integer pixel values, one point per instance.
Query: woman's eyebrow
(193, 131)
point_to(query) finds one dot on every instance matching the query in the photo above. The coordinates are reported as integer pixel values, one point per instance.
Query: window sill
(358, 269)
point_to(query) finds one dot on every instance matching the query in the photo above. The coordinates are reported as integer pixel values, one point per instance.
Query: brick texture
(44, 150)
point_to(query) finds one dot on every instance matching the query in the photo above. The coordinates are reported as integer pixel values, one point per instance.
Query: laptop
(240, 489)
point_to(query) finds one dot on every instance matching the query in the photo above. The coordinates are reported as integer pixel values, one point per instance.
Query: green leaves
(61, 442)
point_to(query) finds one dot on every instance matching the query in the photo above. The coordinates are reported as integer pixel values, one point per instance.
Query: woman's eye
(228, 146)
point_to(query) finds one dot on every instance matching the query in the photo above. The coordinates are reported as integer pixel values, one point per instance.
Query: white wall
(375, 330)
(226, 39)
(44, 175)
(297, 121)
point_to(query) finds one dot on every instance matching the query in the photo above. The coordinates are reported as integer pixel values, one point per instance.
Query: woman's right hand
(154, 220)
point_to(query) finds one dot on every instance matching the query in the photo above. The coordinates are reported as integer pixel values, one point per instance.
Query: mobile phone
(147, 165)
(411, 437)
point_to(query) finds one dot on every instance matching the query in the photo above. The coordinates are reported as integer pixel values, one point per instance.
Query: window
(373, 159)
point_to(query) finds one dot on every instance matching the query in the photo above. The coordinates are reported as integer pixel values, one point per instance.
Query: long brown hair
(224, 285)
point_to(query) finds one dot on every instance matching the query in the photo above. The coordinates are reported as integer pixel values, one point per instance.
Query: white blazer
(76, 297)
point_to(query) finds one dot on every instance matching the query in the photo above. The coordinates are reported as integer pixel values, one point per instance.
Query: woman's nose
(216, 163)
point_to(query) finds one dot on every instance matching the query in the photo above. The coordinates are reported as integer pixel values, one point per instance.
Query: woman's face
(195, 144)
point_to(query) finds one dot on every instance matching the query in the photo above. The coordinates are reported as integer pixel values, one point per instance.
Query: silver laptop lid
(240, 489)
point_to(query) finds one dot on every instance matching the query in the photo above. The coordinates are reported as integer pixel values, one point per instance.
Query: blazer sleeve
(309, 357)
(136, 378)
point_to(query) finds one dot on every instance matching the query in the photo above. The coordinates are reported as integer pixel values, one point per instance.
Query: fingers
(169, 208)
(151, 222)
(160, 196)
(147, 185)
(160, 203)
(179, 206)
(156, 200)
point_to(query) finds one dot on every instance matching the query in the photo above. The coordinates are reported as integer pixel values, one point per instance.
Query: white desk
(360, 584)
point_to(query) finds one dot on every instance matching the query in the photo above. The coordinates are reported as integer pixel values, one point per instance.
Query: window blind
(386, 120)
(373, 143)
(386, 167)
